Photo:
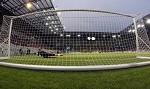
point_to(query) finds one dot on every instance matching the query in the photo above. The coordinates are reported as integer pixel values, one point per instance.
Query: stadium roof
(20, 7)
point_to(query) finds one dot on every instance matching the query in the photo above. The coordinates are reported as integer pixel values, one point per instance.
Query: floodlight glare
(139, 25)
(79, 35)
(133, 30)
(68, 35)
(142, 25)
(50, 27)
(93, 38)
(114, 36)
(46, 23)
(56, 29)
(148, 21)
(89, 38)
(49, 17)
(61, 34)
(29, 5)
(119, 35)
(58, 13)
(104, 35)
(130, 31)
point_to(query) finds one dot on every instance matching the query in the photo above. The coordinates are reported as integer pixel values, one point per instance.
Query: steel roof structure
(19, 7)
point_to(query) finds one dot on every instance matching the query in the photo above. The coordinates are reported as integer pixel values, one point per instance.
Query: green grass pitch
(78, 59)
(132, 78)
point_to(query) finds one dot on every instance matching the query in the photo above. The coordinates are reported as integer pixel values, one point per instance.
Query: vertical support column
(10, 29)
(136, 34)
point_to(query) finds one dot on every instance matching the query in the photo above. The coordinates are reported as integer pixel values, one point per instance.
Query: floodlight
(148, 21)
(93, 38)
(61, 34)
(44, 10)
(28, 5)
(46, 23)
(139, 25)
(114, 36)
(68, 35)
(119, 35)
(56, 29)
(142, 25)
(58, 13)
(49, 17)
(89, 38)
(133, 30)
(104, 35)
(130, 31)
(79, 35)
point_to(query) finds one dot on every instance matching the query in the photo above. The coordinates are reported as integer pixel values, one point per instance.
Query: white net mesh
(4, 38)
(74, 38)
(143, 41)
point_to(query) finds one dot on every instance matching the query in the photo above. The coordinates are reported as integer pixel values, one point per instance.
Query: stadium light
(104, 35)
(89, 38)
(130, 31)
(139, 25)
(68, 35)
(114, 36)
(29, 5)
(46, 23)
(133, 30)
(79, 35)
(44, 10)
(52, 30)
(61, 34)
(142, 25)
(37, 6)
(48, 17)
(148, 21)
(2, 4)
(119, 35)
(56, 29)
(93, 38)
(58, 13)
(50, 27)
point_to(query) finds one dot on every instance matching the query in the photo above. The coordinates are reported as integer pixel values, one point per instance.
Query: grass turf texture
(83, 59)
(133, 78)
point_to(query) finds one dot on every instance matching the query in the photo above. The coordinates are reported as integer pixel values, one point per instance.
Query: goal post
(5, 33)
(74, 38)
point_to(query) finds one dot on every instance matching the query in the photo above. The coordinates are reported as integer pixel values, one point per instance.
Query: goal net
(74, 38)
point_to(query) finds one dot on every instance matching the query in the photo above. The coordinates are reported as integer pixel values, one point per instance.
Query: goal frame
(74, 68)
